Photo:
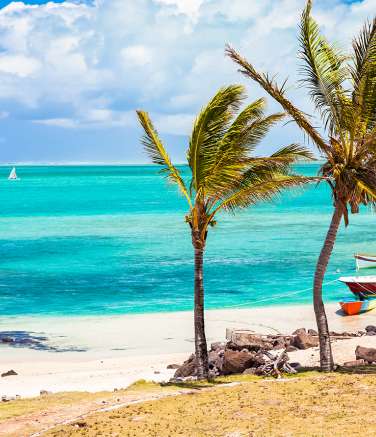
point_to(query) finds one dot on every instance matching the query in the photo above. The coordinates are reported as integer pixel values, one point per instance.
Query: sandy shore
(122, 349)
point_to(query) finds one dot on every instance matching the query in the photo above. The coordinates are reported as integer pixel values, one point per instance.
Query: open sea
(80, 240)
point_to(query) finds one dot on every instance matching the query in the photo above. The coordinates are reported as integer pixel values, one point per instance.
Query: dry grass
(22, 417)
(334, 405)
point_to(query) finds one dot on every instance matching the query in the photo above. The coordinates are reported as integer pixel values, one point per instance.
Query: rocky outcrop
(236, 362)
(188, 368)
(368, 354)
(244, 352)
(249, 353)
(300, 331)
(312, 332)
(305, 341)
(248, 340)
(371, 330)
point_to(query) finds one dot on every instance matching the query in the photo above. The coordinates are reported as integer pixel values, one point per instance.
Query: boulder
(188, 368)
(369, 333)
(9, 373)
(173, 366)
(247, 339)
(370, 328)
(368, 354)
(299, 331)
(291, 348)
(216, 359)
(354, 363)
(279, 343)
(7, 339)
(305, 341)
(218, 345)
(236, 362)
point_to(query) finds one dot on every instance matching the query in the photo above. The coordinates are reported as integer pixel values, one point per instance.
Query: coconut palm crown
(343, 90)
(224, 174)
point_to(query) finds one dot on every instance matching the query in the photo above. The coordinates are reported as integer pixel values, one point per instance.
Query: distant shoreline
(107, 164)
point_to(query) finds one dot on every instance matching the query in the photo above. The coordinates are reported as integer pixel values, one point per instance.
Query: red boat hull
(363, 288)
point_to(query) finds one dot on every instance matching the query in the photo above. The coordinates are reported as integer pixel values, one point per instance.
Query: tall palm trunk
(199, 322)
(326, 356)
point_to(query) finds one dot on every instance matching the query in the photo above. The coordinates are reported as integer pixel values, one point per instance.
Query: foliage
(343, 90)
(224, 173)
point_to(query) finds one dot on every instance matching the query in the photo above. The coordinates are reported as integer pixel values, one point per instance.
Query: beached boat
(353, 307)
(363, 287)
(13, 174)
(365, 261)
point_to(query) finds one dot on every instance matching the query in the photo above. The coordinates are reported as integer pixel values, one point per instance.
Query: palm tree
(224, 176)
(343, 90)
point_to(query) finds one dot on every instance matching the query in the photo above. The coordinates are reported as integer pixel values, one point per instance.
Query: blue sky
(73, 73)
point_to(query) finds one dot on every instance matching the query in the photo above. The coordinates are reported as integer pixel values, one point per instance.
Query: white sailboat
(13, 174)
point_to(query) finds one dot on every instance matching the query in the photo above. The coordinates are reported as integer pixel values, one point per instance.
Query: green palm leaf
(233, 151)
(158, 155)
(260, 189)
(209, 128)
(324, 72)
(363, 73)
(278, 93)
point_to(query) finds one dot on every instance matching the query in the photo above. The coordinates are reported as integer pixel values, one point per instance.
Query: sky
(72, 73)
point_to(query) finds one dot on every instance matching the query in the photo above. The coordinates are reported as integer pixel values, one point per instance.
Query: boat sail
(13, 174)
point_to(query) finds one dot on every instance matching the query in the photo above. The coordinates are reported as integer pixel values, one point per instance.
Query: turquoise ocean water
(112, 239)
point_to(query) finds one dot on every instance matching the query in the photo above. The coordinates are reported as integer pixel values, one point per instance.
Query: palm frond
(293, 152)
(253, 191)
(232, 156)
(278, 93)
(209, 128)
(324, 72)
(280, 161)
(363, 73)
(158, 155)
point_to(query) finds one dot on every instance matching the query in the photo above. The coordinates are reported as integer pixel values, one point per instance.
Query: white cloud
(136, 56)
(18, 65)
(190, 8)
(92, 64)
(175, 124)
(59, 122)
(98, 118)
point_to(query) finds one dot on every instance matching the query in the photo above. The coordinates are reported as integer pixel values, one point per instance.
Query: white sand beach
(122, 349)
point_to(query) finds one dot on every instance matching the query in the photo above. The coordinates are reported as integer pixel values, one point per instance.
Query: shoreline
(235, 307)
(121, 349)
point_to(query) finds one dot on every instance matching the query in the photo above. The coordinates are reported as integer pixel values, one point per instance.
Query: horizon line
(99, 163)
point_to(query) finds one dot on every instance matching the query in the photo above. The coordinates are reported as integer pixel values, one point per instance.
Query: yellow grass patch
(334, 405)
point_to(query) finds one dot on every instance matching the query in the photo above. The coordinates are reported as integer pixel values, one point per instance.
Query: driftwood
(275, 365)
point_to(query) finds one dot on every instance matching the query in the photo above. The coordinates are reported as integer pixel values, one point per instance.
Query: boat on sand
(364, 290)
(352, 307)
